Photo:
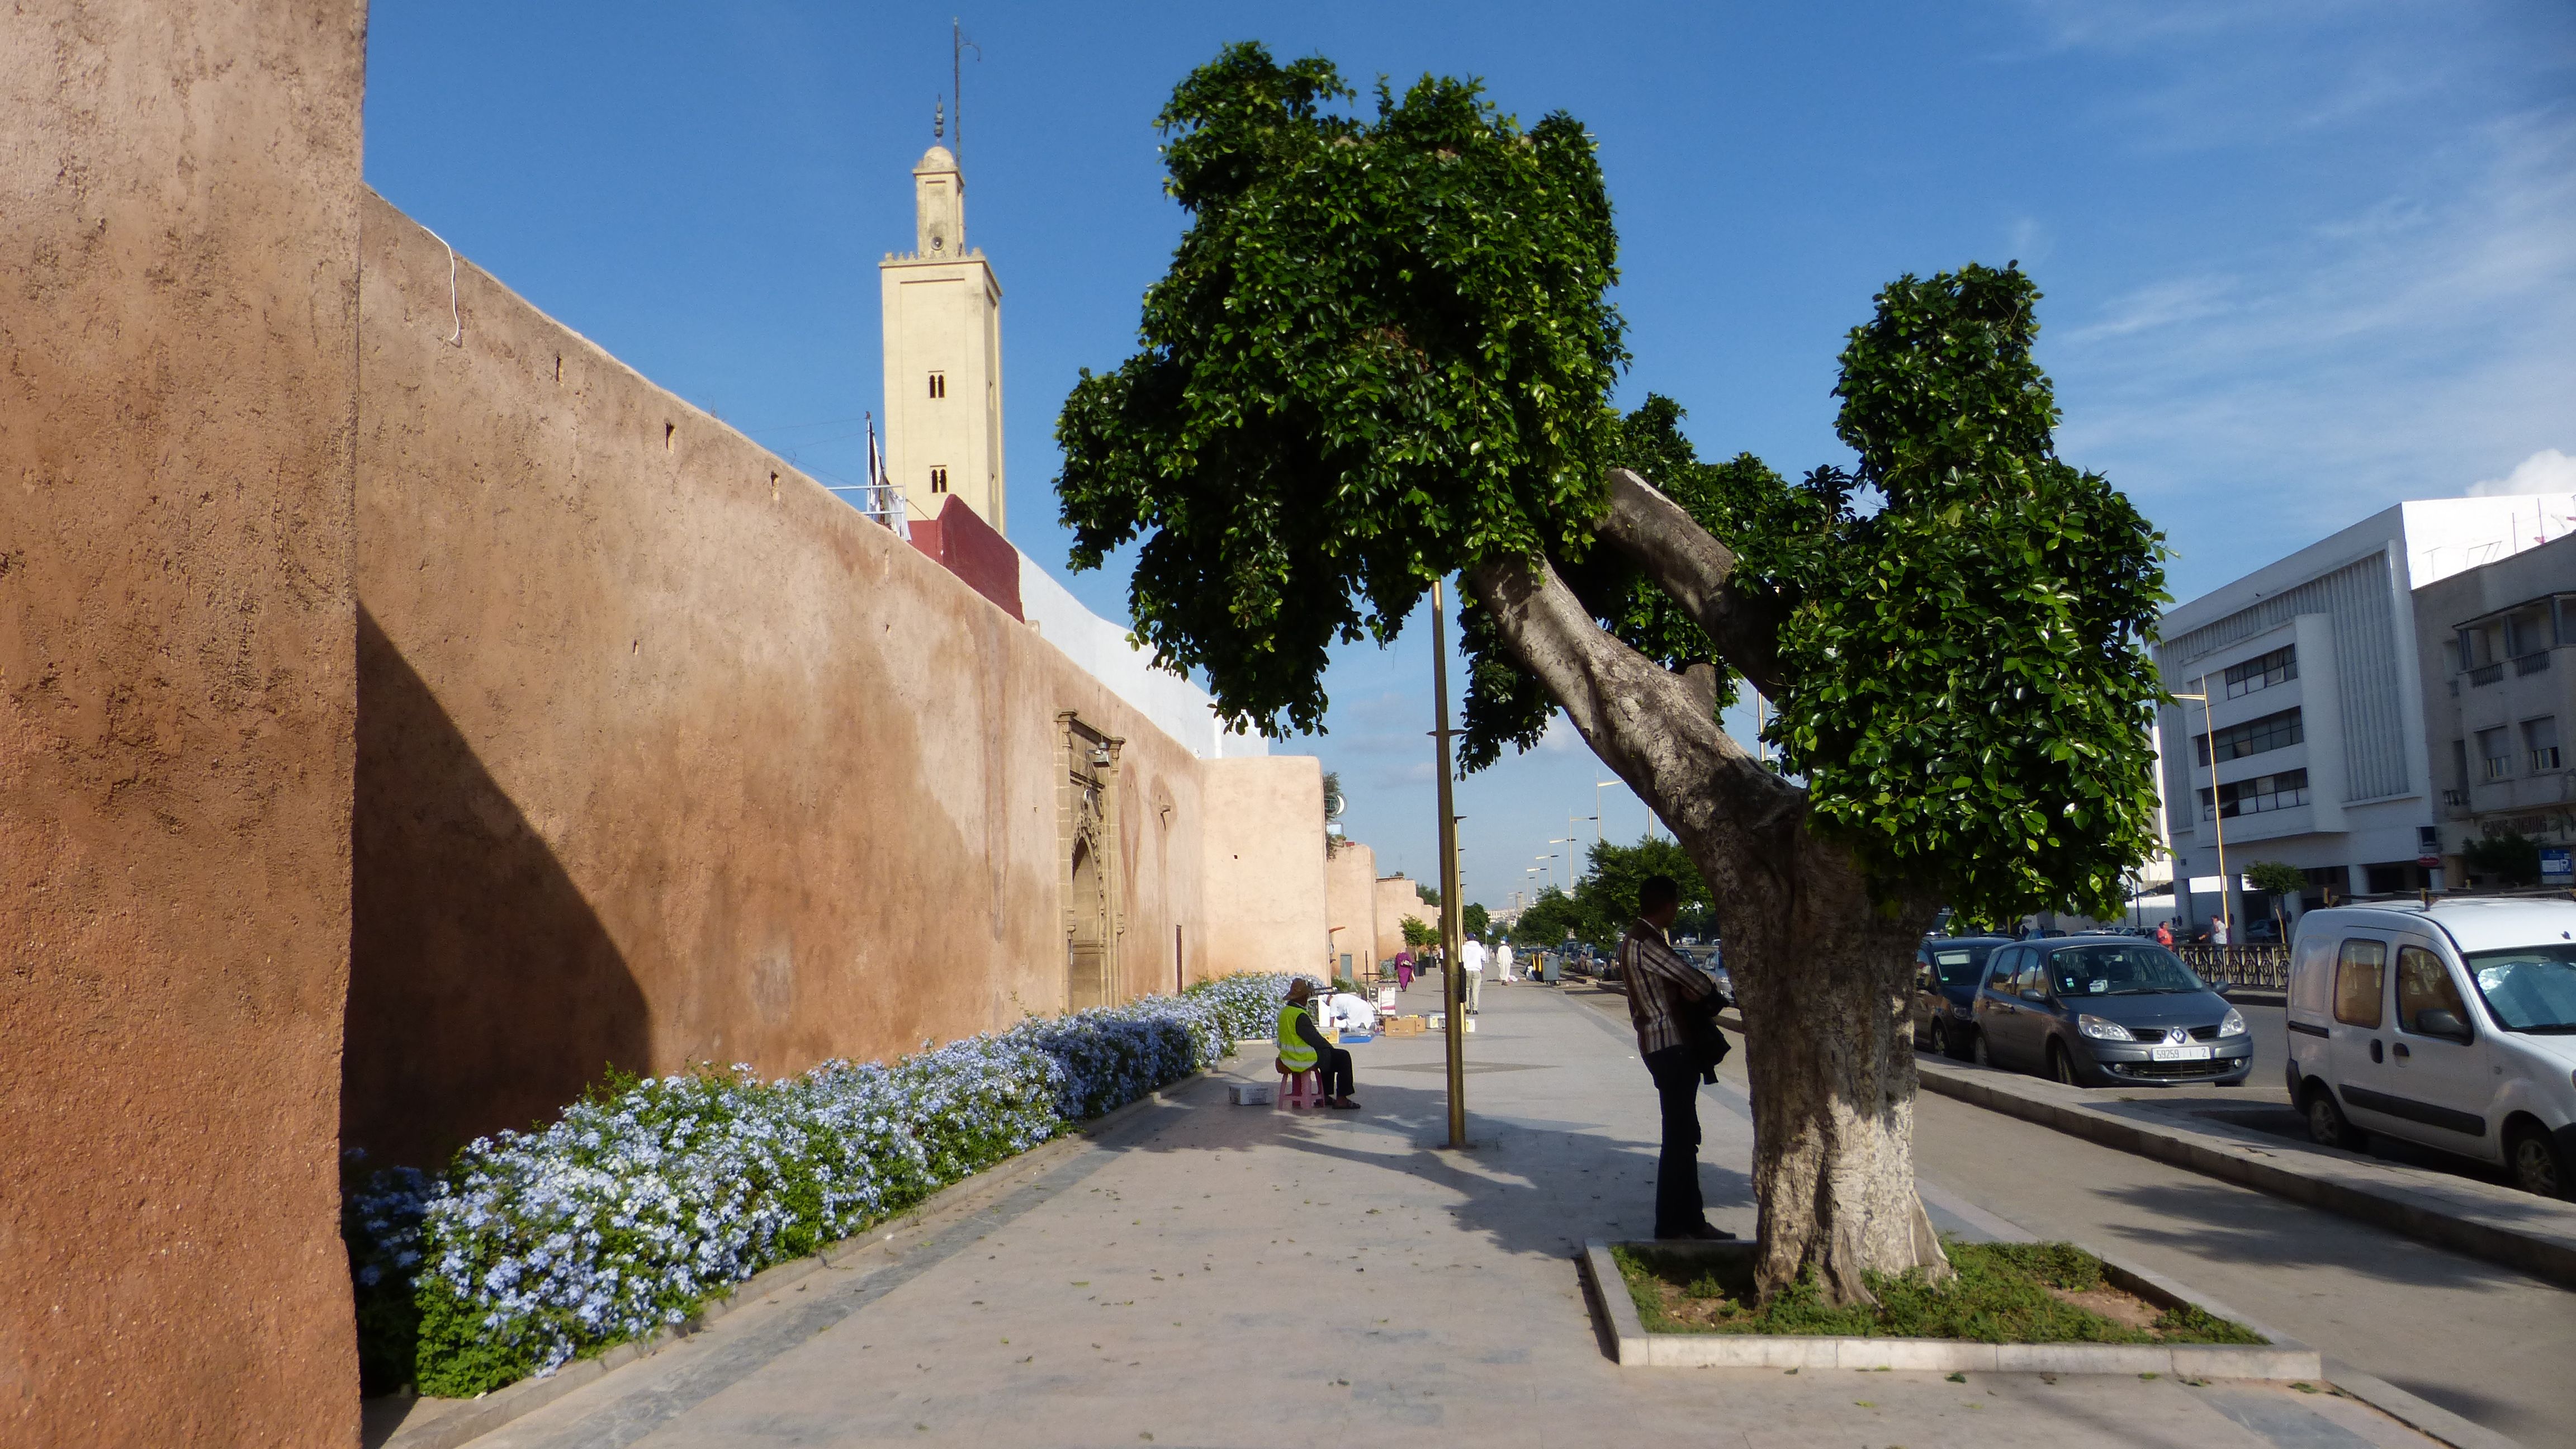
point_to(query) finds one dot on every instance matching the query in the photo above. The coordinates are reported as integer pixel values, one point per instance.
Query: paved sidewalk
(1216, 1275)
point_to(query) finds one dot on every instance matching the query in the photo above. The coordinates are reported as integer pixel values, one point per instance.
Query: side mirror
(2039, 996)
(2444, 1024)
(2223, 988)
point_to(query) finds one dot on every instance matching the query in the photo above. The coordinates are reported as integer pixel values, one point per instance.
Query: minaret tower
(943, 355)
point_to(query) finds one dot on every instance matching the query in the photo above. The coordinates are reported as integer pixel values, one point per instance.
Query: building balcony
(2530, 664)
(2484, 675)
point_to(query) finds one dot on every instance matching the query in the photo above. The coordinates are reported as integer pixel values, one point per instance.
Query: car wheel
(1941, 1037)
(2061, 1065)
(2535, 1163)
(1978, 1053)
(2328, 1126)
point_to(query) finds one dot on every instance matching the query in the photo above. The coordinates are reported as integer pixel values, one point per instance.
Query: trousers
(1678, 1208)
(1333, 1071)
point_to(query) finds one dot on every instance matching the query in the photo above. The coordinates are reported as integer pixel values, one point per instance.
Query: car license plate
(2180, 1054)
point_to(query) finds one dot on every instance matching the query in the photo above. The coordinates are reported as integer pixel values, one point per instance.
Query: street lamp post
(2217, 812)
(1452, 1020)
(1598, 830)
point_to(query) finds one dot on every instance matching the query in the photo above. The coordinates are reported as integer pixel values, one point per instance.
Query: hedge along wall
(667, 756)
(650, 1197)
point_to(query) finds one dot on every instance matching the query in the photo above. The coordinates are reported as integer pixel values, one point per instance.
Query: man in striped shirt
(1662, 985)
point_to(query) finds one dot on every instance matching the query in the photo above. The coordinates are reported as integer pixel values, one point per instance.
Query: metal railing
(880, 501)
(2485, 674)
(2530, 664)
(2264, 967)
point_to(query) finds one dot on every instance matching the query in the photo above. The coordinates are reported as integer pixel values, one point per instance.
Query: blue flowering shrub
(1246, 1005)
(652, 1195)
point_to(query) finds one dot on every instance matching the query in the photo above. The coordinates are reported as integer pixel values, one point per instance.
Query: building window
(2271, 732)
(939, 384)
(939, 480)
(2278, 667)
(2495, 747)
(2260, 795)
(2540, 741)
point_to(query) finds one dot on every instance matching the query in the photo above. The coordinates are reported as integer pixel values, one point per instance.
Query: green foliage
(1335, 802)
(2511, 858)
(1999, 1293)
(1474, 919)
(1418, 934)
(1968, 689)
(1606, 896)
(1430, 894)
(1736, 500)
(1381, 353)
(2277, 878)
(1545, 921)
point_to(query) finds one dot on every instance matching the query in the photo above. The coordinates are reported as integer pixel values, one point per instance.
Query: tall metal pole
(1453, 1015)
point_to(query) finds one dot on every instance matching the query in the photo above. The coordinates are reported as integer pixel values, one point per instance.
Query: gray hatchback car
(2093, 1011)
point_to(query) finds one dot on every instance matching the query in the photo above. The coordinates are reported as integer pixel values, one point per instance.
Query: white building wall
(2346, 603)
(1179, 707)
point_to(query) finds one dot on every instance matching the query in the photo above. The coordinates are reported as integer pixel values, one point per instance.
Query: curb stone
(2428, 1419)
(2283, 1357)
(460, 1421)
(2530, 1235)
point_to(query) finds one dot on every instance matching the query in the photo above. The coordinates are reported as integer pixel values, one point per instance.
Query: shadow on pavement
(1530, 1185)
(2227, 1225)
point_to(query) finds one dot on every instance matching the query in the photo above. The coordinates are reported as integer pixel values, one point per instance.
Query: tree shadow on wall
(483, 991)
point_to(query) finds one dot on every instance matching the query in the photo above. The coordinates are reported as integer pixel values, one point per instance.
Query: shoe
(1343, 1104)
(1704, 1233)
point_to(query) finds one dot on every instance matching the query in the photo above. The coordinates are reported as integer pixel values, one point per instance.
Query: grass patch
(2001, 1293)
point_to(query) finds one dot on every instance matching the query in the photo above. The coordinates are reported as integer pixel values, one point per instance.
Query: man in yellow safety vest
(1302, 1047)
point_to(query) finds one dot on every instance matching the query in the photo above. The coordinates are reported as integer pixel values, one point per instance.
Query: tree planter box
(1633, 1346)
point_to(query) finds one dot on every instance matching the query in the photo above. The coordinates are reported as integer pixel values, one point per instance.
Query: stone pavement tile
(1244, 1276)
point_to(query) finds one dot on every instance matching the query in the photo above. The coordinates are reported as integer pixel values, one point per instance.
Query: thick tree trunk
(1824, 979)
(1824, 972)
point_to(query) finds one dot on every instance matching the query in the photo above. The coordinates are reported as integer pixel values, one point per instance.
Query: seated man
(1302, 1047)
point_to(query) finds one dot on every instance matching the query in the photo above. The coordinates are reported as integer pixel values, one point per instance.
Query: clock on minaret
(943, 356)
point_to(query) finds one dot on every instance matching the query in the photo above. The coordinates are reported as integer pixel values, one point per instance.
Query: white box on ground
(1250, 1094)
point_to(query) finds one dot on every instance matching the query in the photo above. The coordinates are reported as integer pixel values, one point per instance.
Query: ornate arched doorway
(1088, 835)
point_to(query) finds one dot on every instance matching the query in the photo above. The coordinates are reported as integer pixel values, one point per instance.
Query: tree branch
(1652, 726)
(1684, 560)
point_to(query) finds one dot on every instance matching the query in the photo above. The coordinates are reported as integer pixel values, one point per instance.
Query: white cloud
(2547, 471)
(1561, 736)
(2387, 354)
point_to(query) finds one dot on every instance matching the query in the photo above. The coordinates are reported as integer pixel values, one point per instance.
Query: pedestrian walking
(2164, 934)
(2218, 931)
(1404, 970)
(1668, 1000)
(1471, 962)
(1503, 961)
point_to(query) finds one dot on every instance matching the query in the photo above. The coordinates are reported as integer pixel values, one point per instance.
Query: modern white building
(2498, 656)
(2312, 747)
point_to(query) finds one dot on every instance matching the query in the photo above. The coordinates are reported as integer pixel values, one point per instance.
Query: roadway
(2483, 1341)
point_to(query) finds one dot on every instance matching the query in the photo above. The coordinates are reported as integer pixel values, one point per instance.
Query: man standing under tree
(1663, 991)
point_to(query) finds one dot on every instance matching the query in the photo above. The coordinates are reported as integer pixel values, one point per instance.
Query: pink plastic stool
(1300, 1089)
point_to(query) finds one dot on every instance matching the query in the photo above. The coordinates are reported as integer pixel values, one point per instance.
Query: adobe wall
(1350, 905)
(178, 211)
(667, 756)
(1264, 863)
(1397, 898)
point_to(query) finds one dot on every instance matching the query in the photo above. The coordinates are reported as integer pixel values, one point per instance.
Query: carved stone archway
(1089, 883)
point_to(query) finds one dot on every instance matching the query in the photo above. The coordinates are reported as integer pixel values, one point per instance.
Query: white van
(2452, 1025)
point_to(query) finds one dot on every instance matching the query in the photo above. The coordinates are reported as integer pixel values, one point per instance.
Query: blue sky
(2302, 259)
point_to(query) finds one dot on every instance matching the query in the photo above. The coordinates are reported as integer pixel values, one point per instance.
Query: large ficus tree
(1383, 355)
